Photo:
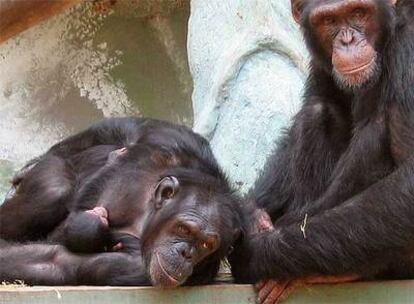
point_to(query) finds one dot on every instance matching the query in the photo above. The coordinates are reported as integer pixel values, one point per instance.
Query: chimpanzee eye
(183, 230)
(358, 13)
(329, 20)
(206, 246)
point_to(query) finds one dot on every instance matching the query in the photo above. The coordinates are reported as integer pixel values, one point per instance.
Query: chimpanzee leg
(39, 202)
(38, 264)
(116, 131)
(299, 170)
(43, 264)
(114, 269)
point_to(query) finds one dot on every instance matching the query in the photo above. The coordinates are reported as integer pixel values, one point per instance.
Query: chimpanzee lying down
(129, 201)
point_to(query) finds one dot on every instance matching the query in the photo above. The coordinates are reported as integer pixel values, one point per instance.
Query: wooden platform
(397, 292)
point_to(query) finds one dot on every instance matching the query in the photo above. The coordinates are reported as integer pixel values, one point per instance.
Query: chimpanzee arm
(364, 162)
(38, 264)
(356, 237)
(114, 269)
(114, 131)
(43, 264)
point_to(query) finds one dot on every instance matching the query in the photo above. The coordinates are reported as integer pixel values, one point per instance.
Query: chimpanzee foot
(101, 213)
(261, 222)
(18, 178)
(274, 291)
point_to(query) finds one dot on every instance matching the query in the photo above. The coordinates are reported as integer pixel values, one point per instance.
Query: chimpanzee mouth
(363, 76)
(172, 280)
(358, 69)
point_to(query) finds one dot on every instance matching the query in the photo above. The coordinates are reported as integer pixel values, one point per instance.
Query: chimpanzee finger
(290, 288)
(259, 285)
(275, 294)
(265, 290)
(270, 290)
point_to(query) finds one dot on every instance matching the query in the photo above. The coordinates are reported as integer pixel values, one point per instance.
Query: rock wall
(91, 62)
(248, 64)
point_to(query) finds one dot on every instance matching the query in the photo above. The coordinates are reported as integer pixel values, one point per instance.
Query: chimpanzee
(144, 201)
(340, 186)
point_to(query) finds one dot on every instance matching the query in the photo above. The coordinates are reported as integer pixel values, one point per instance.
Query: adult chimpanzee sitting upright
(340, 186)
(145, 198)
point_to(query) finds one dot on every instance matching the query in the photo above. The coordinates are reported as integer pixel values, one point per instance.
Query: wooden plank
(397, 292)
(19, 15)
(211, 294)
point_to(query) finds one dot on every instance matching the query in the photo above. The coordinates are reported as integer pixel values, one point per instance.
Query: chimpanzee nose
(347, 37)
(187, 253)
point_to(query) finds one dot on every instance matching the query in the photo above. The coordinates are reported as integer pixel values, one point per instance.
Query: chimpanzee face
(186, 219)
(190, 224)
(348, 34)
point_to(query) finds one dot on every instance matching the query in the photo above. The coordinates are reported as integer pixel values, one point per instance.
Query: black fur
(346, 166)
(82, 172)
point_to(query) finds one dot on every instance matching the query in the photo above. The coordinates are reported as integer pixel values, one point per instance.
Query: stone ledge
(396, 292)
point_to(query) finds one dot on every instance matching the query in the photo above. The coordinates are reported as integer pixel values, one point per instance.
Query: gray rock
(249, 64)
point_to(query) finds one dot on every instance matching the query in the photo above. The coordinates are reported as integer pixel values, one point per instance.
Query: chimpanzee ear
(393, 2)
(166, 189)
(297, 7)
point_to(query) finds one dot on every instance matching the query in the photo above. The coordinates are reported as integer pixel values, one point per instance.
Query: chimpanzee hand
(259, 223)
(274, 291)
(244, 263)
(243, 260)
